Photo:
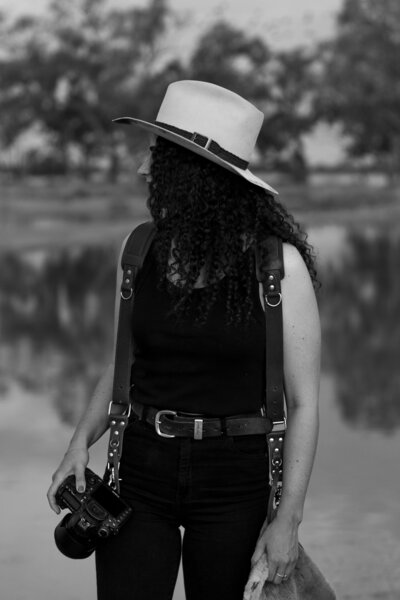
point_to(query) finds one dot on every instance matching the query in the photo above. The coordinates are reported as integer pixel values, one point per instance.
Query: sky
(280, 23)
(283, 22)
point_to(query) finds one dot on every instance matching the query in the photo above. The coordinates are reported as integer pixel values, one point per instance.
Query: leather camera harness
(271, 420)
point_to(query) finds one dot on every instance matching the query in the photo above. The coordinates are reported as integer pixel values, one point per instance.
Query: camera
(96, 514)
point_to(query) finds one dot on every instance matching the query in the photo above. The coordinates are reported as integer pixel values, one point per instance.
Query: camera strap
(269, 274)
(136, 248)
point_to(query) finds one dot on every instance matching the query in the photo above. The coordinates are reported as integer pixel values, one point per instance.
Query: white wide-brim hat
(211, 121)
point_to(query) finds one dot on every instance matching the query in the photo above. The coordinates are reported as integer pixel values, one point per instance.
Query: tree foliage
(228, 57)
(289, 111)
(70, 73)
(359, 86)
(279, 83)
(73, 71)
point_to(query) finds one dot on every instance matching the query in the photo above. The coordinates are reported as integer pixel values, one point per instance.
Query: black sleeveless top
(212, 369)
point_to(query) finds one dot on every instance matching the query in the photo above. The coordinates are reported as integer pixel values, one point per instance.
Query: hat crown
(214, 112)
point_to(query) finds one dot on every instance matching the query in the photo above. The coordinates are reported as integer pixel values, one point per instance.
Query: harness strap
(136, 248)
(269, 274)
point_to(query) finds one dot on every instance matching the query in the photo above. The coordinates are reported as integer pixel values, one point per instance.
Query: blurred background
(327, 76)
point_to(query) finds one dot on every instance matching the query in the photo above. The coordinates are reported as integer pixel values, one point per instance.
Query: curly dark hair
(208, 216)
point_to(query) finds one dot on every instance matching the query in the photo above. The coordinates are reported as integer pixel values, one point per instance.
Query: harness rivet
(270, 277)
(113, 422)
(281, 439)
(271, 287)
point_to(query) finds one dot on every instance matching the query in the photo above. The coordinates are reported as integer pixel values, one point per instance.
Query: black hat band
(208, 144)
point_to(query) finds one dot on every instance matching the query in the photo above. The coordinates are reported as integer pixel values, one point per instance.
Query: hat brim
(182, 141)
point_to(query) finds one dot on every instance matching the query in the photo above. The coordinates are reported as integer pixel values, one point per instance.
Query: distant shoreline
(54, 213)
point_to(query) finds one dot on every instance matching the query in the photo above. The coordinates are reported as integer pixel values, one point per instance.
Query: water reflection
(57, 315)
(361, 324)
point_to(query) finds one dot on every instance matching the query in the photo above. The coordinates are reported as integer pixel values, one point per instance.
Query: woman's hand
(274, 557)
(74, 463)
(279, 540)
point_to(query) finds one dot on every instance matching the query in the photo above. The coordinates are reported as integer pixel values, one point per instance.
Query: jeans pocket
(250, 445)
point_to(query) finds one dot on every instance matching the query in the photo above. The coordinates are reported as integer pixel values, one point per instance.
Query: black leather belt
(170, 423)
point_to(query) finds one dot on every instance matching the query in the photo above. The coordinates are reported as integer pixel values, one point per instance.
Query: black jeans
(215, 488)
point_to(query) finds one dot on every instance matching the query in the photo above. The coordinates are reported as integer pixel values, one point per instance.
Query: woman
(199, 334)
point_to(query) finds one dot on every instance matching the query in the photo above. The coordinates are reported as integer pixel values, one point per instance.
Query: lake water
(57, 313)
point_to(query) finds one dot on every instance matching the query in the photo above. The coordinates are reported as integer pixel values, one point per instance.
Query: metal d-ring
(279, 300)
(127, 297)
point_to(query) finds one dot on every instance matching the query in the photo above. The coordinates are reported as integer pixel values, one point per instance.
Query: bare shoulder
(300, 307)
(297, 276)
(293, 260)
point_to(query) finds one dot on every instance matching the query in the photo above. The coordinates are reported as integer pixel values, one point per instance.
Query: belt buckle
(157, 422)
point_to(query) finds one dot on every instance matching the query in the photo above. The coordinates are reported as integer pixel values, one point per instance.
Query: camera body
(96, 513)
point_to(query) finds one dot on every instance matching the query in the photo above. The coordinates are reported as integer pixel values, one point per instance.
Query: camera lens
(70, 543)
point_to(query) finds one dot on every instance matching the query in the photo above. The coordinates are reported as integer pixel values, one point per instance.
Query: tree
(289, 111)
(74, 71)
(227, 57)
(359, 87)
(280, 84)
(71, 73)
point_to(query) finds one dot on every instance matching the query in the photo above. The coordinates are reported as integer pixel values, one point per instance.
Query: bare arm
(277, 545)
(302, 351)
(93, 423)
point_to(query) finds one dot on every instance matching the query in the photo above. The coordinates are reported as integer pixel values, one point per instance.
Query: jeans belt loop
(198, 429)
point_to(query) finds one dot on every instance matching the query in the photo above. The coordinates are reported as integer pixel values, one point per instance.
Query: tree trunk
(298, 164)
